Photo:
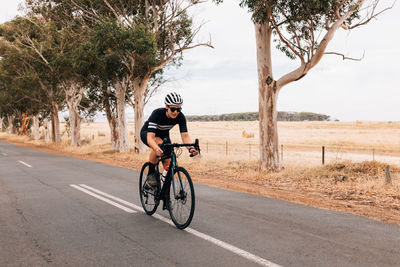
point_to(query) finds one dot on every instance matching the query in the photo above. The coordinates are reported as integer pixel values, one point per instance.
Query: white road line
(4, 154)
(104, 199)
(26, 164)
(222, 244)
(236, 250)
(112, 197)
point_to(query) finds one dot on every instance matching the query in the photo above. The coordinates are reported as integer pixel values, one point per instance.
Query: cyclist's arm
(187, 140)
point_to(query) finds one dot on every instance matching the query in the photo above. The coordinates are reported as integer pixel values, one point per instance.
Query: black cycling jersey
(160, 124)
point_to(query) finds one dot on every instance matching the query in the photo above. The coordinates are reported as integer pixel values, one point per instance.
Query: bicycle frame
(164, 191)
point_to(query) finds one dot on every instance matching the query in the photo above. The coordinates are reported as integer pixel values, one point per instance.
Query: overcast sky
(224, 79)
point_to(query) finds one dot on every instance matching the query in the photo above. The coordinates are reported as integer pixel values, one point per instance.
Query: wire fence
(317, 154)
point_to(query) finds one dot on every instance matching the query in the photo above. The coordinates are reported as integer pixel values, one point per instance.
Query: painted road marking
(112, 197)
(104, 199)
(4, 154)
(26, 164)
(222, 244)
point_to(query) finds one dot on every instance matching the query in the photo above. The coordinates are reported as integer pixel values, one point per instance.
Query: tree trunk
(47, 131)
(269, 154)
(11, 126)
(73, 97)
(122, 129)
(139, 86)
(268, 94)
(1, 124)
(55, 123)
(112, 122)
(35, 128)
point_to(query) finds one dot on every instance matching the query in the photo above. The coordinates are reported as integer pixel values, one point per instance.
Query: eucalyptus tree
(37, 39)
(20, 94)
(302, 30)
(172, 30)
(100, 57)
(114, 44)
(69, 32)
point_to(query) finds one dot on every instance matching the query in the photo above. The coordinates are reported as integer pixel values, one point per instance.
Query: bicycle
(175, 189)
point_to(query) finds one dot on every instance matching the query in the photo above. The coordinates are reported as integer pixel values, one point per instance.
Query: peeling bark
(122, 129)
(269, 154)
(47, 131)
(73, 97)
(55, 123)
(140, 86)
(112, 122)
(268, 94)
(35, 127)
(11, 126)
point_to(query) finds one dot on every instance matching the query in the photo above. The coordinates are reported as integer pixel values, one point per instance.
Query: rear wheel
(146, 192)
(181, 198)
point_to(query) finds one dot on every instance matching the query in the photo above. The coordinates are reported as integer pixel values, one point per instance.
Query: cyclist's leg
(153, 156)
(153, 161)
(166, 161)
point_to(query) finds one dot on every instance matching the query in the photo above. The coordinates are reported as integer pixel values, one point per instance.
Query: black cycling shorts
(143, 136)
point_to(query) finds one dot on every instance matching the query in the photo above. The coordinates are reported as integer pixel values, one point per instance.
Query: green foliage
(114, 44)
(253, 116)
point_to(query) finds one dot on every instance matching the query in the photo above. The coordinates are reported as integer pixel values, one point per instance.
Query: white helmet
(173, 99)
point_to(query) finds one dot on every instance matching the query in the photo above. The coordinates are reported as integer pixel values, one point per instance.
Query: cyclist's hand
(193, 152)
(159, 152)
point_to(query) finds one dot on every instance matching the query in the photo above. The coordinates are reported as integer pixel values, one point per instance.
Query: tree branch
(372, 16)
(344, 57)
(280, 34)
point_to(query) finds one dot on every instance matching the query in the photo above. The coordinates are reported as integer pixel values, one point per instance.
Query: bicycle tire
(181, 208)
(147, 196)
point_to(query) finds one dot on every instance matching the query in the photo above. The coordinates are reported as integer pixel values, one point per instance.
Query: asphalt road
(60, 211)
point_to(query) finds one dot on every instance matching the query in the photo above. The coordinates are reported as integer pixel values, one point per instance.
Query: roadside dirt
(357, 192)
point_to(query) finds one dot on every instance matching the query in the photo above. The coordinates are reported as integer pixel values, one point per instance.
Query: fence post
(388, 179)
(207, 146)
(281, 152)
(373, 154)
(226, 148)
(323, 155)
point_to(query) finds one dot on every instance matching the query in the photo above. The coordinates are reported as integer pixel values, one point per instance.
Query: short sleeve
(152, 127)
(182, 123)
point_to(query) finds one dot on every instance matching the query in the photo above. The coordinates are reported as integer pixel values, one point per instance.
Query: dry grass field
(301, 141)
(349, 181)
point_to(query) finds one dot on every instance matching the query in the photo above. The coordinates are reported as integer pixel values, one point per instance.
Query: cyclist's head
(173, 99)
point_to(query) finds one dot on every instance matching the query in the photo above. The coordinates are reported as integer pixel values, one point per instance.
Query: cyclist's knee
(159, 140)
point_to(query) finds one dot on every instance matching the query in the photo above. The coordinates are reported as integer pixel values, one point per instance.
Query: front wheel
(181, 198)
(147, 193)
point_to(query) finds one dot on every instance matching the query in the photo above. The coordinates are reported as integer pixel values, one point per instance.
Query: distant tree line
(254, 116)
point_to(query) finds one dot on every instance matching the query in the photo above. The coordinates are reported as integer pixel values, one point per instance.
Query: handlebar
(166, 145)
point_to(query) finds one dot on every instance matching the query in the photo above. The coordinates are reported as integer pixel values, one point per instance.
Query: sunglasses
(175, 109)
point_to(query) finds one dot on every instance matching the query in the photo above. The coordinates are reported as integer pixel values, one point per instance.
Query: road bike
(175, 189)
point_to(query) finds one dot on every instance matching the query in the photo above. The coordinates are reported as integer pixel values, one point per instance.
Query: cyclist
(157, 127)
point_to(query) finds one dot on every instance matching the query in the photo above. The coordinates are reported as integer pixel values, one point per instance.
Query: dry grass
(356, 141)
(350, 186)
